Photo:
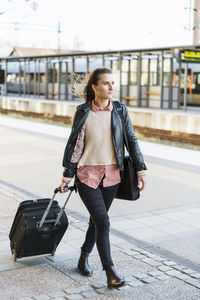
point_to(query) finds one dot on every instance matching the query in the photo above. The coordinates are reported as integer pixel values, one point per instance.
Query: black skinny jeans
(98, 202)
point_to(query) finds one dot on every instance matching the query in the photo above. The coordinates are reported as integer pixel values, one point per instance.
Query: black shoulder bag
(128, 187)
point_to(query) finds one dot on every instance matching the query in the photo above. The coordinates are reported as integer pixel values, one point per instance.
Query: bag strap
(119, 110)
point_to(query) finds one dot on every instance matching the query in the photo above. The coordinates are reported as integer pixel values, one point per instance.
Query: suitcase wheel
(14, 255)
(54, 250)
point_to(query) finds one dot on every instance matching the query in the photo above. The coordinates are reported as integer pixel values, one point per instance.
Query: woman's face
(105, 86)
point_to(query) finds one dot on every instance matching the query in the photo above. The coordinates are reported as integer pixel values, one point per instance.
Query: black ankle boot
(113, 279)
(83, 265)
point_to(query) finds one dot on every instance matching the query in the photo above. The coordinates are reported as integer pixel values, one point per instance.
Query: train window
(154, 72)
(166, 79)
(166, 65)
(153, 65)
(144, 78)
(183, 81)
(115, 65)
(107, 63)
(133, 78)
(198, 79)
(175, 78)
(133, 65)
(11, 78)
(133, 71)
(42, 78)
(144, 65)
(153, 79)
(144, 71)
(124, 78)
(124, 65)
(80, 65)
(94, 62)
(62, 72)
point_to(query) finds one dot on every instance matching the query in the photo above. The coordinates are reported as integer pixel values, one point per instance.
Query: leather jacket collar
(85, 106)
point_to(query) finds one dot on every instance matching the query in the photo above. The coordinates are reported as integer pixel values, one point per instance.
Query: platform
(174, 121)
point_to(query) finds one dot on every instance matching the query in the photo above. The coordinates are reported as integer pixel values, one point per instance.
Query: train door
(190, 87)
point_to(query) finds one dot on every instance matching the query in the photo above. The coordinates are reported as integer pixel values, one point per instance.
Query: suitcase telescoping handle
(71, 188)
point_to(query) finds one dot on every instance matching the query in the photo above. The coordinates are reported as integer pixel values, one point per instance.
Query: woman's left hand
(141, 180)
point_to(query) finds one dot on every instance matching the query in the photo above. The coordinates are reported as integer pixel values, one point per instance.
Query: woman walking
(94, 154)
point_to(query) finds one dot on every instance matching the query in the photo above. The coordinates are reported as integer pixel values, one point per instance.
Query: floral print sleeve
(78, 149)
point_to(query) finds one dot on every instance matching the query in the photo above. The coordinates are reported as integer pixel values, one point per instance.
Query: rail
(2, 89)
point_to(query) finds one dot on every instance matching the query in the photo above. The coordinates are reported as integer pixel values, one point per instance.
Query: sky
(95, 25)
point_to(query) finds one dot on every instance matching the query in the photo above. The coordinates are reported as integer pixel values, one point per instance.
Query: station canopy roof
(32, 51)
(21, 53)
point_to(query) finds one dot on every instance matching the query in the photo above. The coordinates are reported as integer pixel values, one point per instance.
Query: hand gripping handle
(71, 188)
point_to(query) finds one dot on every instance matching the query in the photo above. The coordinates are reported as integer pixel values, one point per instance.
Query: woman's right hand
(64, 183)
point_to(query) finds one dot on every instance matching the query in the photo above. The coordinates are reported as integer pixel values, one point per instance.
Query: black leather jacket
(117, 137)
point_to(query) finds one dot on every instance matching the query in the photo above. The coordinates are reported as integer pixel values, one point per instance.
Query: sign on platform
(190, 56)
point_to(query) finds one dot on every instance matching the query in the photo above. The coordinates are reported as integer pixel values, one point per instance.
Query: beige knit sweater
(98, 148)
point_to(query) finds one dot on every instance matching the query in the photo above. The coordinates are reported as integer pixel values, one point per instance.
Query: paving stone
(172, 289)
(130, 278)
(182, 276)
(135, 248)
(4, 267)
(141, 276)
(173, 273)
(98, 285)
(155, 257)
(41, 297)
(134, 279)
(128, 252)
(80, 224)
(59, 298)
(138, 256)
(195, 275)
(102, 291)
(194, 282)
(74, 297)
(58, 294)
(145, 252)
(155, 273)
(169, 262)
(84, 288)
(89, 294)
(124, 287)
(165, 268)
(163, 277)
(106, 291)
(151, 262)
(72, 290)
(150, 280)
(123, 246)
(179, 267)
(135, 283)
(188, 271)
(134, 252)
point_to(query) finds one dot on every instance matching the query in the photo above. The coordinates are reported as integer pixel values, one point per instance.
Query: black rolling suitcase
(38, 227)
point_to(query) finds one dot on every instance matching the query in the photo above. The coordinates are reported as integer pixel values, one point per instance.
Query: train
(35, 81)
